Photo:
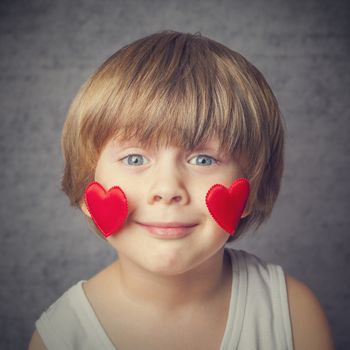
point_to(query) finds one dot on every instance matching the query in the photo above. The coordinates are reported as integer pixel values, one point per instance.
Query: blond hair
(179, 89)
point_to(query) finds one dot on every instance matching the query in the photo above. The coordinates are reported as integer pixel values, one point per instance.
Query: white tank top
(258, 313)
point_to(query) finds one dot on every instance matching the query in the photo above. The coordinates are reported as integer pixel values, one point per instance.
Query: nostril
(174, 199)
(157, 198)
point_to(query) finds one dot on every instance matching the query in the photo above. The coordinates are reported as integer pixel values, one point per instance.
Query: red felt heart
(226, 205)
(108, 209)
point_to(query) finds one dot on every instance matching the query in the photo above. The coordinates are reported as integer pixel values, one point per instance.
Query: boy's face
(166, 186)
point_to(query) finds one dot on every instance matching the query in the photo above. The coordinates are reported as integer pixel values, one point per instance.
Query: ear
(85, 209)
(247, 211)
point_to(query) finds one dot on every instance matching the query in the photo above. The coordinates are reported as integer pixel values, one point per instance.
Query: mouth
(168, 230)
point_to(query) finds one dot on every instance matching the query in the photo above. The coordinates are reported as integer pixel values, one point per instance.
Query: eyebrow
(210, 146)
(205, 147)
(125, 144)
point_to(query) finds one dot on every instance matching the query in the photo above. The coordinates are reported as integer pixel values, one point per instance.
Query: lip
(168, 230)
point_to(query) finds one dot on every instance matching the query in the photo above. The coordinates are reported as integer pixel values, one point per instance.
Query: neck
(197, 286)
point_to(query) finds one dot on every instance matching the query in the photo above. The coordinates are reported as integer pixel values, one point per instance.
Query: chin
(173, 262)
(169, 263)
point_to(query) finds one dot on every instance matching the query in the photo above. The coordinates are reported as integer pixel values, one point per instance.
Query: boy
(164, 120)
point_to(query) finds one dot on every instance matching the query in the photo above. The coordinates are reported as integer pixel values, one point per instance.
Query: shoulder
(60, 321)
(36, 343)
(258, 273)
(309, 323)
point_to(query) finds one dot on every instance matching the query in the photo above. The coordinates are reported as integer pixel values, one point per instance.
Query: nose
(168, 187)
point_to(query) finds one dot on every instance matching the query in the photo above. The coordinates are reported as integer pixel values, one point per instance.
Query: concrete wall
(48, 48)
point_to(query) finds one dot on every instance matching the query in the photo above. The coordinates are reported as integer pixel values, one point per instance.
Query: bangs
(184, 113)
(176, 93)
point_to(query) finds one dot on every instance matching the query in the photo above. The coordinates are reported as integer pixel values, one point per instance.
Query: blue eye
(203, 160)
(134, 159)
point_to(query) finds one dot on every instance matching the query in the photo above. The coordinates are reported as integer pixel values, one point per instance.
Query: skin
(168, 186)
(178, 276)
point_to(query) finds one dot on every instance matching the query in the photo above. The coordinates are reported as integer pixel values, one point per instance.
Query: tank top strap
(237, 303)
(71, 323)
(259, 315)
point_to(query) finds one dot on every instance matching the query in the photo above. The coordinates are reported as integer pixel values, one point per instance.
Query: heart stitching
(108, 209)
(226, 205)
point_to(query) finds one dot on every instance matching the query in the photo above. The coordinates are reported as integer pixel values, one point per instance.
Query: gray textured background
(48, 48)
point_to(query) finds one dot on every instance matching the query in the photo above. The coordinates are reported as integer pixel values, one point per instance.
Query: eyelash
(214, 160)
(129, 156)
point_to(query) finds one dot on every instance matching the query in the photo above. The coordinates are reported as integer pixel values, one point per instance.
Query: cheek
(105, 175)
(135, 194)
(108, 176)
(198, 194)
